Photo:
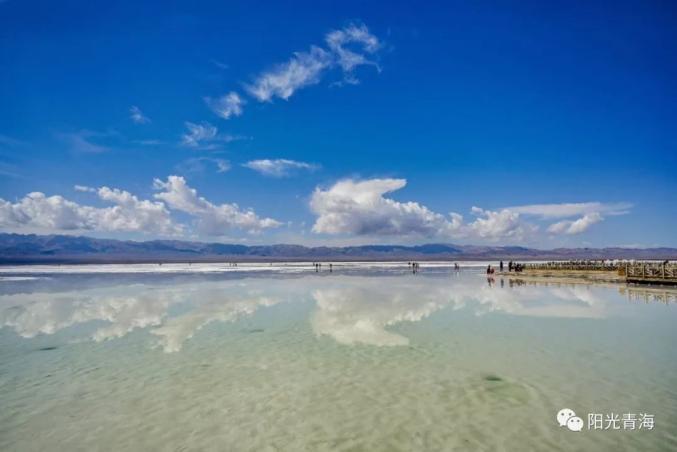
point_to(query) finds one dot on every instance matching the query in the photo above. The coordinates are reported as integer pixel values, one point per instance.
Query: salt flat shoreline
(300, 267)
(464, 261)
(197, 267)
(6, 262)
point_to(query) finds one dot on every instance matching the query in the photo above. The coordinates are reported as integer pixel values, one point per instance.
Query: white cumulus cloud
(211, 219)
(36, 211)
(359, 207)
(362, 208)
(498, 224)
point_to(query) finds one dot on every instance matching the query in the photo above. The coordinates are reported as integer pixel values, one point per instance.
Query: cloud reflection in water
(349, 309)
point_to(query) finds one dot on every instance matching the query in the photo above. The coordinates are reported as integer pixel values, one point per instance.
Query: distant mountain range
(18, 248)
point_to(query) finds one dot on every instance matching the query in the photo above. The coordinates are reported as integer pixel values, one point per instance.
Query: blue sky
(537, 123)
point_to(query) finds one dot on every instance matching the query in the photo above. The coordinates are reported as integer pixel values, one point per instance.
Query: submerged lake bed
(367, 357)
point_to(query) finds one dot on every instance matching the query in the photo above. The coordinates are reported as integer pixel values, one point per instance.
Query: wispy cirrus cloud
(578, 226)
(199, 165)
(198, 134)
(587, 213)
(8, 167)
(303, 69)
(279, 167)
(148, 142)
(219, 64)
(7, 141)
(347, 48)
(137, 116)
(205, 136)
(348, 59)
(84, 141)
(564, 210)
(84, 188)
(226, 106)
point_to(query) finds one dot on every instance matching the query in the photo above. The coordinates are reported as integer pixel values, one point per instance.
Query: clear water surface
(368, 357)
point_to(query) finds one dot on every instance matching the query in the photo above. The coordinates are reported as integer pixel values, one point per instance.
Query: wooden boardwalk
(649, 273)
(639, 272)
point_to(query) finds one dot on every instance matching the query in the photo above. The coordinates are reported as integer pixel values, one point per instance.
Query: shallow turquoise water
(364, 358)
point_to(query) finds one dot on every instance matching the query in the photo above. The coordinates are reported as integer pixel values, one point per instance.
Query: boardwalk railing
(608, 266)
(632, 270)
(648, 270)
